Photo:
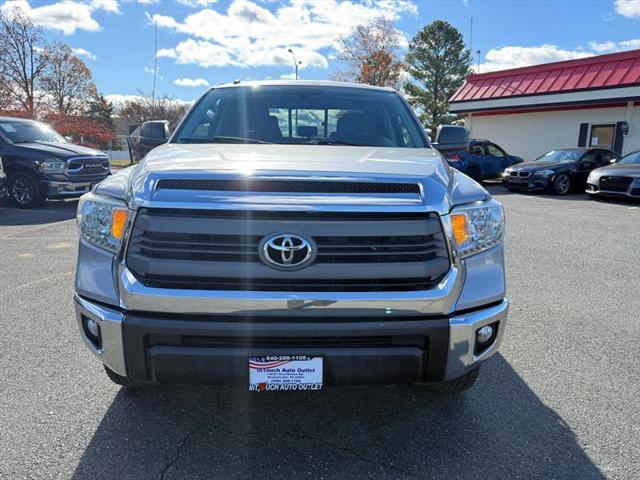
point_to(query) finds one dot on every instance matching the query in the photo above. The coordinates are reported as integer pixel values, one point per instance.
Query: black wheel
(25, 190)
(456, 385)
(124, 381)
(474, 173)
(561, 184)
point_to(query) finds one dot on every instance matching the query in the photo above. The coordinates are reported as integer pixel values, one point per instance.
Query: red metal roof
(603, 71)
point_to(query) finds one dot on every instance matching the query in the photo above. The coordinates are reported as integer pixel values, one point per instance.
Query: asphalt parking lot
(559, 401)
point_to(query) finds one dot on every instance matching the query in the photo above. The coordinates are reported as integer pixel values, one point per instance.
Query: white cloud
(249, 35)
(65, 16)
(81, 52)
(118, 99)
(606, 47)
(148, 2)
(628, 8)
(191, 82)
(503, 58)
(197, 3)
(288, 76)
(512, 57)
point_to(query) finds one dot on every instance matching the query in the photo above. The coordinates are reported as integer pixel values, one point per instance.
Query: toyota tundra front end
(292, 235)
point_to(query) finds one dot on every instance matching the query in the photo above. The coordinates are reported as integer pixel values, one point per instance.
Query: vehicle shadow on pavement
(50, 212)
(499, 429)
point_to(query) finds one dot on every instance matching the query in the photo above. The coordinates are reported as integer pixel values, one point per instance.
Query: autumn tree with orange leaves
(372, 55)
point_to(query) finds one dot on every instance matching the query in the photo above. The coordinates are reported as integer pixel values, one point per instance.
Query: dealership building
(592, 101)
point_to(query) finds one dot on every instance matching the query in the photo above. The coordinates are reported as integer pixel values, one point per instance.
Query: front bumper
(67, 189)
(214, 349)
(632, 192)
(531, 183)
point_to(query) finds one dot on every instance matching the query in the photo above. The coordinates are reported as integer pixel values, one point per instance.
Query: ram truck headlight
(543, 173)
(52, 166)
(102, 221)
(477, 227)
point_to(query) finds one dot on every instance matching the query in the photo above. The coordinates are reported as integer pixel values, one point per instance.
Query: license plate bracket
(285, 373)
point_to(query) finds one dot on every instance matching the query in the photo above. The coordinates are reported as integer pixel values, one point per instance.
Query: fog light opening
(485, 336)
(92, 331)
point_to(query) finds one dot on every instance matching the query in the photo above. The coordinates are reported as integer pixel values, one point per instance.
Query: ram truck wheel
(25, 190)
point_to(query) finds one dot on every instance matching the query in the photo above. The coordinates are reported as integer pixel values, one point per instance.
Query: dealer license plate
(285, 372)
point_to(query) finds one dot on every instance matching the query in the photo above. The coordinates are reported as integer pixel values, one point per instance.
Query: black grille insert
(284, 186)
(615, 184)
(220, 251)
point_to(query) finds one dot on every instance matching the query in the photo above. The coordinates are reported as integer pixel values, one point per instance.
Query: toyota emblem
(287, 251)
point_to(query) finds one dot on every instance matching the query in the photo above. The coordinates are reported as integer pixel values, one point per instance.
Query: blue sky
(205, 42)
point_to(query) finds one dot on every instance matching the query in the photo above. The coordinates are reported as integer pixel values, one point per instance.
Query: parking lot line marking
(40, 280)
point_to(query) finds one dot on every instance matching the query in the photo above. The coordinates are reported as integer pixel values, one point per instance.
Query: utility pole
(471, 34)
(155, 67)
(478, 64)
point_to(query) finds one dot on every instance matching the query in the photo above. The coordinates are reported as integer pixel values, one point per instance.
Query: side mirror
(155, 132)
(451, 138)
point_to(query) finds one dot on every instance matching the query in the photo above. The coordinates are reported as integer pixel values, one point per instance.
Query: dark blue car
(483, 160)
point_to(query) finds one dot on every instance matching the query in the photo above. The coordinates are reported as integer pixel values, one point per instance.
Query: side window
(478, 149)
(145, 130)
(494, 150)
(590, 158)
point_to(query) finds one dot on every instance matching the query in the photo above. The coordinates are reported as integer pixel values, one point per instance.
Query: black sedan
(621, 179)
(558, 171)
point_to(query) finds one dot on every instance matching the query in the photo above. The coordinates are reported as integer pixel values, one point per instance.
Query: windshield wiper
(340, 142)
(221, 140)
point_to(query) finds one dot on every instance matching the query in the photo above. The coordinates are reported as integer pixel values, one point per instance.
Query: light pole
(295, 63)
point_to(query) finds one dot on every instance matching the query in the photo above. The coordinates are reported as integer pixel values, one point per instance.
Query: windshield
(302, 115)
(561, 156)
(27, 132)
(631, 159)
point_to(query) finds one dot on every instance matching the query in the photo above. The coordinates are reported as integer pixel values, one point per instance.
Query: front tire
(25, 190)
(457, 385)
(561, 185)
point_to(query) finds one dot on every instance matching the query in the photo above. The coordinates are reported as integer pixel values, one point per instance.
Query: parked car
(483, 160)
(41, 164)
(620, 179)
(252, 249)
(146, 137)
(558, 171)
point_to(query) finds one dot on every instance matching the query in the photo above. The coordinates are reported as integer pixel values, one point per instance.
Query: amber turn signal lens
(460, 227)
(118, 222)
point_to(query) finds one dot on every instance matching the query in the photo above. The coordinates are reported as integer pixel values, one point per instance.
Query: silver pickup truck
(292, 235)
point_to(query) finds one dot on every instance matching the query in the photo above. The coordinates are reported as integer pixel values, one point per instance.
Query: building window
(602, 136)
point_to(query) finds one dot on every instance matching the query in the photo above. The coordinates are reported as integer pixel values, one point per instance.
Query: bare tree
(144, 108)
(372, 54)
(21, 59)
(66, 81)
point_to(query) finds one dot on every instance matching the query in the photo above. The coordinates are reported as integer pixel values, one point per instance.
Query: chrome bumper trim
(462, 333)
(110, 322)
(437, 301)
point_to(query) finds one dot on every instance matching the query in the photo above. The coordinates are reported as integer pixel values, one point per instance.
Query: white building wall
(529, 135)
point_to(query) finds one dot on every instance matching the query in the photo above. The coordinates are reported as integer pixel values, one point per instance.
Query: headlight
(543, 173)
(52, 166)
(102, 221)
(477, 227)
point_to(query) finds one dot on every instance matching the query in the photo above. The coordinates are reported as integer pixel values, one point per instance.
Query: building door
(602, 136)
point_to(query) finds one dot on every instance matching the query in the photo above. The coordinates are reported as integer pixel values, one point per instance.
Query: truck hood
(440, 186)
(58, 150)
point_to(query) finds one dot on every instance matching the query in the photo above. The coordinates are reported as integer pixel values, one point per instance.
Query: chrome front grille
(220, 251)
(79, 167)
